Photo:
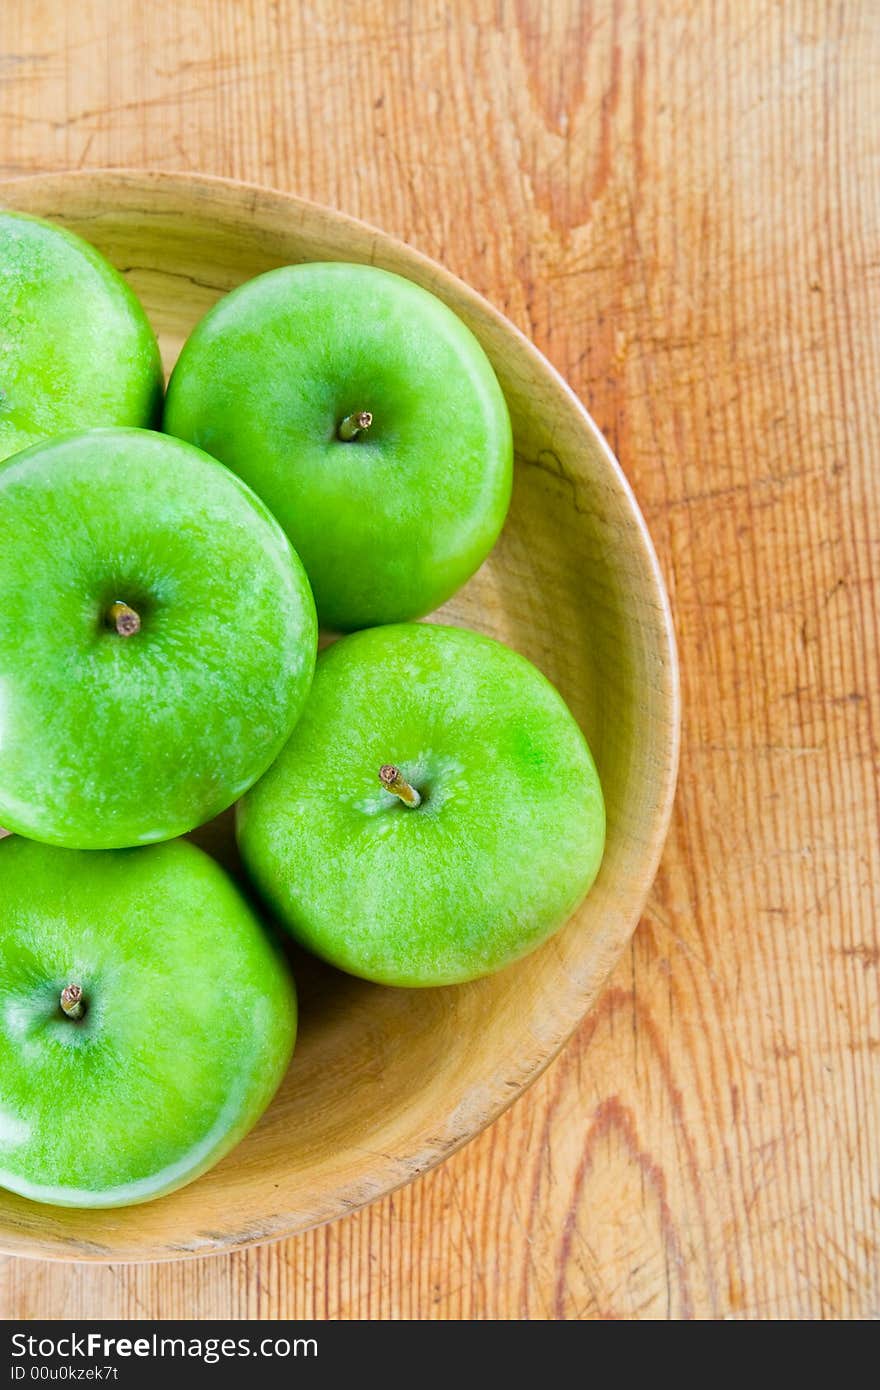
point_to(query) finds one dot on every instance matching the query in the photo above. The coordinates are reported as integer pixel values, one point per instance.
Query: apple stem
(72, 1001)
(124, 619)
(392, 780)
(353, 424)
(4, 834)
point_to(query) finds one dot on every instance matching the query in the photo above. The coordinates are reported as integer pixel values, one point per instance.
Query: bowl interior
(385, 1083)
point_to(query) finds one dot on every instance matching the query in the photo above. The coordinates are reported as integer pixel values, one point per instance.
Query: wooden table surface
(680, 203)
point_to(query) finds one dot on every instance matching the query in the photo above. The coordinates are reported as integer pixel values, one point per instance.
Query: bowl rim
(403, 1169)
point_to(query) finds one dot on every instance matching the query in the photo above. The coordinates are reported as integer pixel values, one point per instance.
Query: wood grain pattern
(679, 203)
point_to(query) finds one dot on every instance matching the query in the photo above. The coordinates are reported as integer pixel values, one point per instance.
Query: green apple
(436, 813)
(145, 1021)
(157, 639)
(368, 418)
(76, 349)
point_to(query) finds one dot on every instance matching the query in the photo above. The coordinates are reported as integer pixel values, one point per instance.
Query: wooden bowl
(385, 1083)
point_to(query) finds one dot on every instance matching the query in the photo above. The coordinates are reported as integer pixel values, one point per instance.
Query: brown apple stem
(392, 780)
(125, 620)
(352, 425)
(4, 834)
(72, 1001)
